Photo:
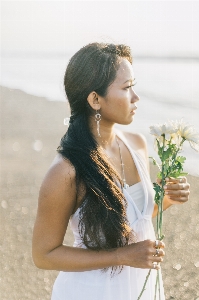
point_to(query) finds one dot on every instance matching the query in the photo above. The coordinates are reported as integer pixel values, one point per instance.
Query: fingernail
(166, 193)
(167, 179)
(165, 187)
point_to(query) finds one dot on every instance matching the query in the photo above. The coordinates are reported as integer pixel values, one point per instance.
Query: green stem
(157, 219)
(160, 219)
(173, 162)
(159, 229)
(161, 215)
(143, 289)
(159, 222)
(173, 158)
(156, 286)
(158, 274)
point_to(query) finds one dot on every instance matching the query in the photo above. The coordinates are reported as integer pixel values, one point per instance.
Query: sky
(157, 28)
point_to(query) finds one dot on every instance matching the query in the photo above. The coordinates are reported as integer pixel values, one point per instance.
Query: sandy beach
(31, 128)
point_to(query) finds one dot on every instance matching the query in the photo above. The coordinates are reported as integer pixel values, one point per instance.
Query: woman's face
(119, 105)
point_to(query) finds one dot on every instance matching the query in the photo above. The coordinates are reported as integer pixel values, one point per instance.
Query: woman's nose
(135, 97)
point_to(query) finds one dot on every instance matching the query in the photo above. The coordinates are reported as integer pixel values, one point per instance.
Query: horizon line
(49, 54)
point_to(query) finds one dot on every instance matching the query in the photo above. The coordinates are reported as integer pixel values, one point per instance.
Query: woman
(99, 182)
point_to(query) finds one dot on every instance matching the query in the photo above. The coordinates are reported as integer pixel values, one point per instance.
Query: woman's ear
(93, 101)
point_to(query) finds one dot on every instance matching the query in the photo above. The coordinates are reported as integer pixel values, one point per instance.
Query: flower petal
(194, 146)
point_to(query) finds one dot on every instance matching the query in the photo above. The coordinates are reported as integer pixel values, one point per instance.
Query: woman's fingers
(177, 189)
(158, 244)
(177, 183)
(177, 192)
(143, 254)
(157, 258)
(182, 179)
(159, 252)
(172, 180)
(181, 193)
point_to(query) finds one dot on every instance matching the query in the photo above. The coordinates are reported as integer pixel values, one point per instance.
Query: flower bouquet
(169, 139)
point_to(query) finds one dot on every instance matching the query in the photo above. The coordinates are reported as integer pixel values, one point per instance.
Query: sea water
(168, 90)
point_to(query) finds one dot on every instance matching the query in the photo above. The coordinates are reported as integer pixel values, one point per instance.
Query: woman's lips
(133, 111)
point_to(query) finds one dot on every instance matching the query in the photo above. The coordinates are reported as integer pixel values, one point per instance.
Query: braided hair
(102, 217)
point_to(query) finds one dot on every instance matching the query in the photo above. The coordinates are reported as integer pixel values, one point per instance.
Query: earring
(66, 121)
(98, 119)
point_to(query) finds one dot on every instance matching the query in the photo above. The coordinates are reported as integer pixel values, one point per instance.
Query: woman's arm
(57, 201)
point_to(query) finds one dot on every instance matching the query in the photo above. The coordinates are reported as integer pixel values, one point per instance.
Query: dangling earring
(66, 121)
(98, 119)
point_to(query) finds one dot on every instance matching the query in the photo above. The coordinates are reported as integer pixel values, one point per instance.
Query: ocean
(168, 89)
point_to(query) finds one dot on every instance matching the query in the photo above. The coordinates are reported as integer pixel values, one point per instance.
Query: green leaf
(156, 187)
(183, 174)
(174, 174)
(159, 175)
(166, 153)
(177, 174)
(181, 159)
(158, 192)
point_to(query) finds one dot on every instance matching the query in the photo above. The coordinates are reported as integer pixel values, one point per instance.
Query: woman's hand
(177, 190)
(146, 254)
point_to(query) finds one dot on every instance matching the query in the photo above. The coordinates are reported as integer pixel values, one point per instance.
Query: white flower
(176, 139)
(194, 145)
(187, 132)
(166, 129)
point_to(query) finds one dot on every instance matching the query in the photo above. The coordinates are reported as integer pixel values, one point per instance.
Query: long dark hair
(103, 223)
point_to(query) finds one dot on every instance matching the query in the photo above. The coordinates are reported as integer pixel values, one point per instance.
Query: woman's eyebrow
(130, 80)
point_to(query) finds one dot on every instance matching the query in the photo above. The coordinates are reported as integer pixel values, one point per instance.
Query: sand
(31, 128)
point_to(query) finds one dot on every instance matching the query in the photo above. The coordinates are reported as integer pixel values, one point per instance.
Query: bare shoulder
(139, 144)
(56, 203)
(137, 141)
(58, 183)
(63, 168)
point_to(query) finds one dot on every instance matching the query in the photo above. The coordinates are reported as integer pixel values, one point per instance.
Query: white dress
(127, 285)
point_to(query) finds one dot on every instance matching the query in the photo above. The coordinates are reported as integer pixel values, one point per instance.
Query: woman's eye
(130, 85)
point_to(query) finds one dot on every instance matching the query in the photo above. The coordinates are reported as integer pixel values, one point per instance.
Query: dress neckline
(135, 185)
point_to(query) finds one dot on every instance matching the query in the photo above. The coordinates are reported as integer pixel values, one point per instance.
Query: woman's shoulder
(62, 175)
(137, 141)
(62, 165)
(60, 172)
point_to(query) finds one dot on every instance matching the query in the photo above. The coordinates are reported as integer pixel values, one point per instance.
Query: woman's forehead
(125, 72)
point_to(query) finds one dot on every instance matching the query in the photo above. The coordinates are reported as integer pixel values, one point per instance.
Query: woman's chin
(131, 119)
(127, 122)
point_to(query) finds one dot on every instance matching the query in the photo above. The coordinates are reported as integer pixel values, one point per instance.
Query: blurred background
(37, 40)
